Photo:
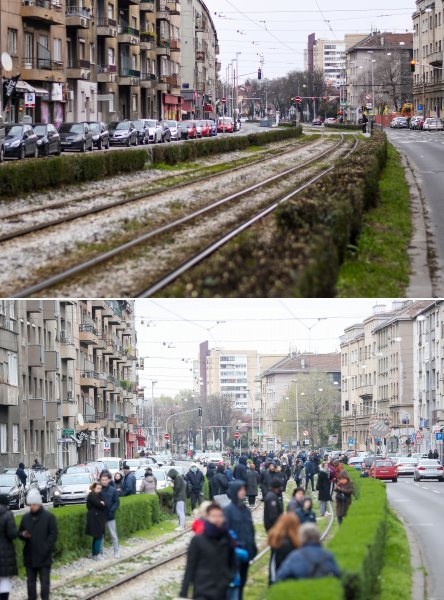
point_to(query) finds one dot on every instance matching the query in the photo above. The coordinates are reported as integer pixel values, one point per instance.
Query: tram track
(119, 250)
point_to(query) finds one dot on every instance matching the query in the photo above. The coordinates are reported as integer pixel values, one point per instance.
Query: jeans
(340, 520)
(196, 498)
(180, 512)
(31, 575)
(322, 507)
(309, 478)
(112, 528)
(243, 572)
(96, 546)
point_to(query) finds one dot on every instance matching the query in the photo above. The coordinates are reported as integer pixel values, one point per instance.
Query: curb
(419, 573)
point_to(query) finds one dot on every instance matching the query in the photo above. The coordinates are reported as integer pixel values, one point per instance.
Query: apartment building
(328, 56)
(67, 381)
(200, 66)
(93, 60)
(428, 48)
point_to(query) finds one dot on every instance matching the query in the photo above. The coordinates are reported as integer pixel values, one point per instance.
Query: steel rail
(105, 256)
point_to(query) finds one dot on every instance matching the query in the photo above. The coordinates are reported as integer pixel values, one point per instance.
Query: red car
(187, 130)
(206, 130)
(225, 124)
(385, 469)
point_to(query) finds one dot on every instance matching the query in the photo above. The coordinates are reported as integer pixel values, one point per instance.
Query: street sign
(418, 437)
(351, 441)
(166, 436)
(298, 99)
(30, 100)
(305, 433)
(236, 435)
(106, 446)
(223, 100)
(419, 106)
(438, 436)
(68, 432)
(412, 437)
(260, 433)
(369, 105)
(343, 102)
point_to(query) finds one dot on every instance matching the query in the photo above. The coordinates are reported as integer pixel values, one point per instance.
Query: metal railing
(42, 63)
(124, 29)
(87, 328)
(128, 73)
(106, 69)
(77, 11)
(50, 4)
(106, 23)
(148, 76)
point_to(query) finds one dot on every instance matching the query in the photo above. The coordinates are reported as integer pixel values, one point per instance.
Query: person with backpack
(311, 561)
(179, 496)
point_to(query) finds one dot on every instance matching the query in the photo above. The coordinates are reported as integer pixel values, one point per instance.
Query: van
(2, 139)
(112, 463)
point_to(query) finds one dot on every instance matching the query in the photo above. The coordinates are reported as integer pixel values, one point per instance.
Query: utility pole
(153, 435)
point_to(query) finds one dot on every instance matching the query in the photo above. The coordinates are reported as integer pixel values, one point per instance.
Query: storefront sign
(30, 100)
(57, 92)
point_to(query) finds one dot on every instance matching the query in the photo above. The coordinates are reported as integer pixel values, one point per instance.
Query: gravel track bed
(129, 274)
(26, 259)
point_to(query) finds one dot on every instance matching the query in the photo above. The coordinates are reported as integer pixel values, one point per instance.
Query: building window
(111, 56)
(12, 368)
(82, 49)
(135, 102)
(29, 47)
(92, 59)
(12, 42)
(82, 94)
(15, 439)
(57, 45)
(110, 11)
(3, 438)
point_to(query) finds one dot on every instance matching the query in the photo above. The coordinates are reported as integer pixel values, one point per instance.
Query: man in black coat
(8, 533)
(240, 470)
(21, 474)
(129, 482)
(195, 478)
(324, 488)
(38, 529)
(210, 559)
(211, 472)
(273, 504)
(220, 481)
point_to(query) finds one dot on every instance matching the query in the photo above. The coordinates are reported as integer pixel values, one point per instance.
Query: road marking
(423, 524)
(424, 487)
(436, 492)
(402, 499)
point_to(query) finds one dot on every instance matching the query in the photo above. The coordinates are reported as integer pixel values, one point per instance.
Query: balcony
(9, 394)
(34, 306)
(435, 59)
(147, 80)
(42, 69)
(147, 6)
(77, 17)
(163, 48)
(48, 12)
(106, 73)
(88, 334)
(173, 6)
(128, 35)
(106, 28)
(366, 392)
(90, 379)
(218, 66)
(175, 45)
(109, 346)
(200, 56)
(36, 355)
(128, 3)
(52, 360)
(79, 69)
(129, 77)
(199, 28)
(162, 11)
(147, 41)
(40, 409)
(162, 85)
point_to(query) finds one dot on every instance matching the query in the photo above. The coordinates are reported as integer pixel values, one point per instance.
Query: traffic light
(259, 74)
(200, 411)
(412, 65)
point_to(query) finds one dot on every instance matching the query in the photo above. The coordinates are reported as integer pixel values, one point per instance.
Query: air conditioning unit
(83, 22)
(70, 95)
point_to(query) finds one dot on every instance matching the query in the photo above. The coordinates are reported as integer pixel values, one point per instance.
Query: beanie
(33, 497)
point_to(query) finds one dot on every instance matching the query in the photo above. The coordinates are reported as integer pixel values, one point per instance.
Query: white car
(356, 462)
(429, 468)
(161, 476)
(155, 130)
(112, 463)
(72, 489)
(406, 465)
(174, 128)
(431, 124)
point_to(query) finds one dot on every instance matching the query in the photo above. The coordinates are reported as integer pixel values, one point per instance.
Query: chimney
(379, 308)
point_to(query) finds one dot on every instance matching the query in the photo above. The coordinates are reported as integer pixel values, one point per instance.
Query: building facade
(68, 383)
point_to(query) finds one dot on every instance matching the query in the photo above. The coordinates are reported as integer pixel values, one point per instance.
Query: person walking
(110, 497)
(21, 474)
(129, 482)
(283, 538)
(435, 454)
(211, 472)
(240, 470)
(297, 500)
(95, 519)
(220, 481)
(179, 497)
(252, 484)
(310, 561)
(273, 504)
(239, 520)
(149, 483)
(297, 473)
(306, 513)
(118, 482)
(210, 559)
(344, 491)
(309, 473)
(38, 530)
(323, 487)
(195, 478)
(8, 562)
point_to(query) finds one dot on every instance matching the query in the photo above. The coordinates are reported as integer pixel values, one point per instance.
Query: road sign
(66, 432)
(419, 106)
(260, 433)
(166, 436)
(30, 100)
(298, 99)
(438, 436)
(305, 433)
(223, 100)
(351, 441)
(368, 97)
(369, 105)
(343, 102)
(106, 446)
(418, 437)
(236, 435)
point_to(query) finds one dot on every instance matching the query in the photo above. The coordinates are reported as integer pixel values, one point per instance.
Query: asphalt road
(421, 505)
(425, 152)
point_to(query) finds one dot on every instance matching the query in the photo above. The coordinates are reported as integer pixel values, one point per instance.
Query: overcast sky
(283, 36)
(169, 331)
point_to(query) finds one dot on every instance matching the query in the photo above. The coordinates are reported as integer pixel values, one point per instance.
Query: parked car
(100, 134)
(174, 129)
(428, 468)
(416, 122)
(72, 489)
(205, 130)
(317, 123)
(95, 468)
(122, 133)
(385, 469)
(12, 488)
(431, 124)
(166, 132)
(198, 129)
(331, 120)
(46, 484)
(112, 463)
(188, 130)
(74, 469)
(76, 136)
(31, 479)
(155, 130)
(225, 125)
(399, 123)
(143, 135)
(20, 141)
(356, 462)
(2, 139)
(406, 465)
(48, 139)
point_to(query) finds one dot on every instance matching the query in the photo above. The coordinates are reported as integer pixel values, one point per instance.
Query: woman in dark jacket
(211, 472)
(95, 519)
(283, 538)
(118, 482)
(8, 563)
(344, 492)
(323, 486)
(220, 481)
(252, 481)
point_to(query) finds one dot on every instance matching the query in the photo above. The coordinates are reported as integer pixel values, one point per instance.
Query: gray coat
(252, 481)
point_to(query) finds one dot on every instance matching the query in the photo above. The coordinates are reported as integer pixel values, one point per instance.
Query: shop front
(131, 448)
(43, 103)
(172, 107)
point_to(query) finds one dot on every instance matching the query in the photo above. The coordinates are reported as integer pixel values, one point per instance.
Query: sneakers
(180, 529)
(116, 554)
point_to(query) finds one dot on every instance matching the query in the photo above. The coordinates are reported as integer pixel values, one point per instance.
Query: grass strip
(379, 264)
(396, 574)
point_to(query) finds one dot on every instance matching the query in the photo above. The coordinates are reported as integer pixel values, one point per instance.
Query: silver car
(406, 465)
(72, 489)
(160, 475)
(174, 128)
(428, 468)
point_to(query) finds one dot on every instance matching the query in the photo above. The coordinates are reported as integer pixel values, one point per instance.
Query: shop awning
(41, 92)
(169, 99)
(24, 87)
(208, 108)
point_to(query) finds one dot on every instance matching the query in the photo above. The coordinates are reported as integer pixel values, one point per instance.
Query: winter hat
(33, 497)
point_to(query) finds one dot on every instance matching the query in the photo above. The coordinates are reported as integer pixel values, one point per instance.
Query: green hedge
(33, 175)
(135, 514)
(328, 588)
(346, 126)
(174, 153)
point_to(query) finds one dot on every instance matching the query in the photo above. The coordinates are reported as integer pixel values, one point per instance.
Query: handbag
(340, 496)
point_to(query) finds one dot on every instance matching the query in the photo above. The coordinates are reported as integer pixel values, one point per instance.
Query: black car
(48, 139)
(12, 489)
(46, 484)
(166, 132)
(143, 134)
(100, 134)
(76, 136)
(122, 133)
(20, 141)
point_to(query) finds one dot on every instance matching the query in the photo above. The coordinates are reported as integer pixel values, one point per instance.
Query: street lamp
(153, 383)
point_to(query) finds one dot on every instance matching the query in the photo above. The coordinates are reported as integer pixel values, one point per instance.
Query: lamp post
(295, 381)
(153, 383)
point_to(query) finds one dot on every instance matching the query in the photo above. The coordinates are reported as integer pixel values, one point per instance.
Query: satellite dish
(6, 62)
(80, 420)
